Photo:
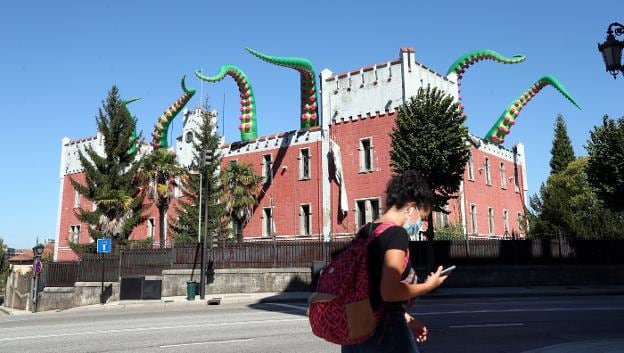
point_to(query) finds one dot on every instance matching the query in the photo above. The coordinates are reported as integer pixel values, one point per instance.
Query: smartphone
(447, 271)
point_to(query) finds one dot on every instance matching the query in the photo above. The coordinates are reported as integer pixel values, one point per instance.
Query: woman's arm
(393, 290)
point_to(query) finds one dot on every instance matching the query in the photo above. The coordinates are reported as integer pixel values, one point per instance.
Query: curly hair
(410, 186)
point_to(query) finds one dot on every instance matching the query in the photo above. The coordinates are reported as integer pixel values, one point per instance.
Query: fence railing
(151, 262)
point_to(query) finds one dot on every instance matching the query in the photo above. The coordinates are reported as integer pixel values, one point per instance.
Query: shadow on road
(290, 301)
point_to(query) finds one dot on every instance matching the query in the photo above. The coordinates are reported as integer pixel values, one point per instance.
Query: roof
(27, 254)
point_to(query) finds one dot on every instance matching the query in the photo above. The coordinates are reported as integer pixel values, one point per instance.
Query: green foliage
(562, 152)
(110, 179)
(185, 226)
(240, 188)
(430, 137)
(605, 170)
(4, 264)
(450, 232)
(568, 207)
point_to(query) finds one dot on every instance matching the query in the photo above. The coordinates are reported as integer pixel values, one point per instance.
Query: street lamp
(38, 252)
(611, 49)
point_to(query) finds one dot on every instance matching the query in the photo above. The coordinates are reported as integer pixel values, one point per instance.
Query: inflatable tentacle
(133, 139)
(162, 125)
(248, 127)
(309, 98)
(465, 61)
(503, 125)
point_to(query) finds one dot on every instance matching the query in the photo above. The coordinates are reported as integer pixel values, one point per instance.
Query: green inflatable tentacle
(161, 127)
(309, 98)
(248, 127)
(133, 139)
(465, 61)
(503, 125)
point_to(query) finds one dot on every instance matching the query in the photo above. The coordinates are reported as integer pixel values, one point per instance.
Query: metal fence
(276, 254)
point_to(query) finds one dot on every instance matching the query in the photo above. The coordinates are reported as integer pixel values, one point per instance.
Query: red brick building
(327, 181)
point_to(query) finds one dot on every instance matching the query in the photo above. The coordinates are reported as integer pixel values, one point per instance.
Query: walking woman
(408, 201)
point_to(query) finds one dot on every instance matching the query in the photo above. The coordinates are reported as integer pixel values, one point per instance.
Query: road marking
(517, 310)
(207, 342)
(487, 325)
(289, 306)
(154, 328)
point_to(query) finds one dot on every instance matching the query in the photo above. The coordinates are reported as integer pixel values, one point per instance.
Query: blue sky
(60, 58)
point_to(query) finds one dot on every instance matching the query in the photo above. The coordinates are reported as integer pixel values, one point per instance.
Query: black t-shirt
(393, 237)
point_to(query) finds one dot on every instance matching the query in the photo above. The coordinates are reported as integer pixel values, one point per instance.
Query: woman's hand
(419, 330)
(435, 279)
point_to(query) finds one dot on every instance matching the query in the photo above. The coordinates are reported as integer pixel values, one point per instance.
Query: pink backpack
(340, 310)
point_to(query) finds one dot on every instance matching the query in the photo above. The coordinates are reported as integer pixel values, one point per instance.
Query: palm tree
(157, 173)
(240, 186)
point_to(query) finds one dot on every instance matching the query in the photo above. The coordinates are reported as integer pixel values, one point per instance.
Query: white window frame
(74, 233)
(94, 206)
(266, 219)
(76, 199)
(267, 169)
(506, 221)
(491, 220)
(503, 175)
(302, 219)
(371, 154)
(516, 181)
(233, 162)
(471, 175)
(473, 218)
(302, 159)
(369, 214)
(488, 174)
(151, 227)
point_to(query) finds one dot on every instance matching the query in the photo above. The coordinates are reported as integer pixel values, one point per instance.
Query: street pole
(201, 184)
(206, 160)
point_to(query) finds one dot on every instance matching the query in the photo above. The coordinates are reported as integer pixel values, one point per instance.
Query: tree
(567, 207)
(4, 264)
(185, 226)
(158, 172)
(605, 170)
(562, 152)
(430, 138)
(111, 179)
(240, 188)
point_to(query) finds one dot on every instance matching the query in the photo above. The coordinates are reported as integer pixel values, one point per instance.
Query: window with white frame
(516, 181)
(305, 220)
(473, 218)
(177, 191)
(488, 176)
(94, 206)
(471, 168)
(151, 227)
(366, 155)
(267, 222)
(506, 221)
(441, 219)
(74, 233)
(267, 168)
(237, 228)
(503, 177)
(76, 199)
(304, 163)
(366, 210)
(233, 162)
(491, 221)
(521, 223)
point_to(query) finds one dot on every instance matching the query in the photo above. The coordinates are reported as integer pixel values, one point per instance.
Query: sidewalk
(171, 303)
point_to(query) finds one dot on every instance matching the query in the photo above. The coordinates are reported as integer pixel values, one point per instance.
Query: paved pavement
(550, 324)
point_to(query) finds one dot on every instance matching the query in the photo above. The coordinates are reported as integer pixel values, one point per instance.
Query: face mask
(412, 227)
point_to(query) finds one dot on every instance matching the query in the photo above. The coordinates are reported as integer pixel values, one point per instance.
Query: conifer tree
(562, 152)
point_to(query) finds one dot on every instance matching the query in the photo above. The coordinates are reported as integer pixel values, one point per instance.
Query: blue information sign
(104, 246)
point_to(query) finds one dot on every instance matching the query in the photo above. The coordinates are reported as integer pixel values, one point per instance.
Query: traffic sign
(38, 266)
(104, 246)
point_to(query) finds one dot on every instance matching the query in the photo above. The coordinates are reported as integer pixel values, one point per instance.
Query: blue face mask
(412, 228)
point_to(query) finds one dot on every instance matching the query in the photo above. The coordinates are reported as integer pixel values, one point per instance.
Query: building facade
(326, 181)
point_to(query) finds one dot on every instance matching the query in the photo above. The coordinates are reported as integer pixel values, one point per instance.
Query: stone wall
(81, 294)
(242, 280)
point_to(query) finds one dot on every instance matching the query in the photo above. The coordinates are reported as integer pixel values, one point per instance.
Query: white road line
(289, 306)
(516, 310)
(154, 328)
(207, 342)
(487, 325)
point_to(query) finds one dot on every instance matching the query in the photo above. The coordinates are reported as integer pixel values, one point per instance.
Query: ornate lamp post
(611, 49)
(38, 252)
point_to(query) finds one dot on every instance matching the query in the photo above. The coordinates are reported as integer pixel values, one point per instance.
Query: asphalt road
(576, 324)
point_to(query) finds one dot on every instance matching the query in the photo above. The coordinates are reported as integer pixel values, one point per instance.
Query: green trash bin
(191, 287)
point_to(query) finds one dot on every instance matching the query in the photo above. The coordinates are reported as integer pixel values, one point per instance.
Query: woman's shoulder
(394, 235)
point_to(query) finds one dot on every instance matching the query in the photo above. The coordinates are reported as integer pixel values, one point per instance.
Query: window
(305, 220)
(516, 181)
(506, 221)
(188, 137)
(473, 218)
(366, 155)
(441, 220)
(267, 166)
(503, 180)
(491, 221)
(488, 179)
(237, 229)
(471, 168)
(76, 199)
(233, 162)
(94, 206)
(304, 163)
(177, 190)
(74, 233)
(522, 225)
(151, 226)
(267, 222)
(367, 210)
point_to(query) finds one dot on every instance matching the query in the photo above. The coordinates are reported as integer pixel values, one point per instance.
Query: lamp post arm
(619, 29)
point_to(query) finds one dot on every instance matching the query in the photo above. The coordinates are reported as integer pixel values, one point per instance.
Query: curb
(6, 311)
